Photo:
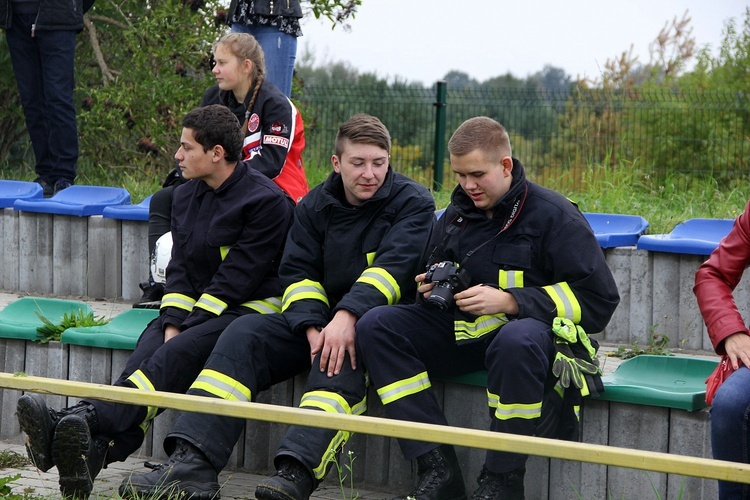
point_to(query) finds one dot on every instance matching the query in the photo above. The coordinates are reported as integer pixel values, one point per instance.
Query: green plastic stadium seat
(18, 320)
(120, 333)
(666, 381)
(477, 378)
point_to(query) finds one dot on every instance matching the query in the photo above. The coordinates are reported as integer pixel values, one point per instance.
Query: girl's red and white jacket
(275, 135)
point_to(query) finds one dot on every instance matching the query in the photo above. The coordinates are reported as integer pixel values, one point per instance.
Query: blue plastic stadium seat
(694, 236)
(19, 320)
(10, 191)
(666, 381)
(128, 212)
(120, 333)
(616, 230)
(77, 200)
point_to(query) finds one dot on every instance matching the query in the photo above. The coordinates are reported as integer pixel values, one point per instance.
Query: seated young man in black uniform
(356, 242)
(229, 224)
(516, 278)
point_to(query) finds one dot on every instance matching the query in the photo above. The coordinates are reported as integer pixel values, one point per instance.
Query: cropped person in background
(229, 225)
(271, 124)
(730, 410)
(41, 37)
(275, 24)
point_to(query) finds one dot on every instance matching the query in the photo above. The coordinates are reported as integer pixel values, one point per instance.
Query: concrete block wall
(70, 256)
(656, 296)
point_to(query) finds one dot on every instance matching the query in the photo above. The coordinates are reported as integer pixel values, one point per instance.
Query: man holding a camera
(515, 278)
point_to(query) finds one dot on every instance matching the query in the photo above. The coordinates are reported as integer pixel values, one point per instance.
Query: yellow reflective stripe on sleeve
(142, 383)
(402, 388)
(565, 301)
(177, 300)
(518, 410)
(510, 279)
(468, 330)
(383, 281)
(221, 386)
(370, 258)
(270, 305)
(211, 304)
(305, 289)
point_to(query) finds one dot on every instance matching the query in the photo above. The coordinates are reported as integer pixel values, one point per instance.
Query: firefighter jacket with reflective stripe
(275, 135)
(340, 256)
(538, 247)
(227, 246)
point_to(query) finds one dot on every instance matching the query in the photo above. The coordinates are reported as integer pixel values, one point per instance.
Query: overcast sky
(421, 40)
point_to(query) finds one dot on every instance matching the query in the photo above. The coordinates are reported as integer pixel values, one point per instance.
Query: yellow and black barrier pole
(566, 450)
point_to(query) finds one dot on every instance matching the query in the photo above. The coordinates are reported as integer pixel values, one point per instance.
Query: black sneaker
(494, 485)
(61, 184)
(38, 422)
(152, 295)
(292, 481)
(47, 189)
(187, 474)
(78, 456)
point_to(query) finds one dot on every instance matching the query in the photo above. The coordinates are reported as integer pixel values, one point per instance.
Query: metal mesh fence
(552, 132)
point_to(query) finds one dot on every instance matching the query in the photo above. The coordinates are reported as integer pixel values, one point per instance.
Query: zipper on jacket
(33, 30)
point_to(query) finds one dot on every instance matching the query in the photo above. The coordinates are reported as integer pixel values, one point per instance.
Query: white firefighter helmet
(161, 257)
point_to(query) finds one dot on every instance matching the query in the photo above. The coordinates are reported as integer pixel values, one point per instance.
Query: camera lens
(441, 296)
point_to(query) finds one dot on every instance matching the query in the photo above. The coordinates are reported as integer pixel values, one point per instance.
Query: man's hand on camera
(483, 299)
(423, 288)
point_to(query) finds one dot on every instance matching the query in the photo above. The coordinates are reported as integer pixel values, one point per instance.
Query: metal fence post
(440, 104)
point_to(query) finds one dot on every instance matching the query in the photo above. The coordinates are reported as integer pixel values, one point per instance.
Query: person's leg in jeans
(730, 438)
(280, 51)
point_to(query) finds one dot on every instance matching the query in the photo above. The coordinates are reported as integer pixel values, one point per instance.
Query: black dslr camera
(449, 279)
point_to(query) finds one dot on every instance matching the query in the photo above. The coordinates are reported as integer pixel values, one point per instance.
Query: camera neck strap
(509, 220)
(459, 222)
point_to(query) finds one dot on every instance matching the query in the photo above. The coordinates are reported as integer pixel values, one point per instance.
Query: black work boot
(152, 295)
(439, 476)
(187, 473)
(502, 486)
(38, 422)
(292, 481)
(78, 456)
